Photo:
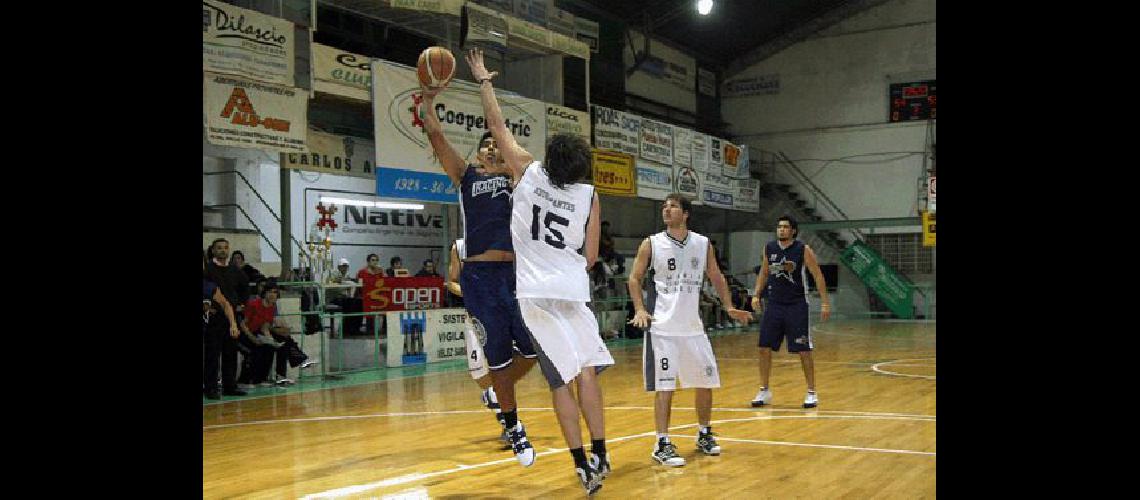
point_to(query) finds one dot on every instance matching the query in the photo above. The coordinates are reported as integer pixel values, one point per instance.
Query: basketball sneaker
(590, 478)
(489, 399)
(524, 452)
(666, 454)
(762, 398)
(810, 401)
(600, 465)
(706, 443)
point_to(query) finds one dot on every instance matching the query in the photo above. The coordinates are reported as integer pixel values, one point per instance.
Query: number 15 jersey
(548, 232)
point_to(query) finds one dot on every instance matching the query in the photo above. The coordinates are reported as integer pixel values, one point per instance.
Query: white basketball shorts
(476, 360)
(678, 362)
(565, 336)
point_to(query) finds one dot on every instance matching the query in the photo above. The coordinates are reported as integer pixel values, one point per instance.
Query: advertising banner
(426, 336)
(402, 294)
(450, 7)
(342, 73)
(563, 120)
(654, 180)
(688, 182)
(406, 168)
(682, 146)
(656, 141)
(700, 152)
(613, 173)
(244, 42)
(894, 290)
(249, 114)
(747, 195)
(616, 130)
(928, 232)
(334, 154)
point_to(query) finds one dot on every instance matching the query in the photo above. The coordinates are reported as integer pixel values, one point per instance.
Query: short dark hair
(567, 159)
(429, 261)
(686, 205)
(791, 222)
(484, 137)
(236, 253)
(210, 250)
(370, 256)
(270, 285)
(394, 260)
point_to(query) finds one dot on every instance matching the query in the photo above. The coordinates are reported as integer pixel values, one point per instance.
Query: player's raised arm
(453, 164)
(514, 155)
(453, 266)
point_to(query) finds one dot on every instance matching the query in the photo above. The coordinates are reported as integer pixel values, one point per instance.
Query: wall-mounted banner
(706, 82)
(560, 21)
(587, 31)
(656, 141)
(451, 7)
(735, 161)
(719, 182)
(334, 154)
(700, 152)
(250, 114)
(403, 154)
(616, 130)
(528, 35)
(688, 182)
(341, 73)
(534, 11)
(568, 45)
(716, 197)
(930, 195)
(357, 225)
(682, 146)
(654, 180)
(244, 42)
(427, 336)
(716, 154)
(482, 26)
(613, 173)
(563, 120)
(747, 195)
(756, 85)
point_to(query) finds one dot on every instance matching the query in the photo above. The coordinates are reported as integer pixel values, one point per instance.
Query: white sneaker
(666, 454)
(762, 398)
(490, 400)
(810, 401)
(285, 381)
(307, 363)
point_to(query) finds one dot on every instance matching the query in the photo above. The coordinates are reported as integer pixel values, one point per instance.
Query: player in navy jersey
(488, 274)
(782, 271)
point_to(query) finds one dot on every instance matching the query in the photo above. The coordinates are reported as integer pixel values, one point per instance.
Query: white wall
(833, 103)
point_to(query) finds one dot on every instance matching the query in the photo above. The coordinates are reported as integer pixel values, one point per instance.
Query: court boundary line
(407, 478)
(806, 413)
(875, 368)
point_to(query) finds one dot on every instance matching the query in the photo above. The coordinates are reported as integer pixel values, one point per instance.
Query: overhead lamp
(372, 204)
(704, 7)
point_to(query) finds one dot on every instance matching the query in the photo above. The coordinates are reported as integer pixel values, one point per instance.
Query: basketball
(435, 67)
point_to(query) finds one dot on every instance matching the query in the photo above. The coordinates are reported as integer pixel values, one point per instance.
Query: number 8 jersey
(548, 231)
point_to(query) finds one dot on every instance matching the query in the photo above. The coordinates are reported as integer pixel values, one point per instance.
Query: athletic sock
(579, 457)
(706, 429)
(662, 437)
(510, 418)
(598, 446)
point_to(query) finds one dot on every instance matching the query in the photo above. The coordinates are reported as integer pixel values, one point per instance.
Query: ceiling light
(704, 7)
(373, 204)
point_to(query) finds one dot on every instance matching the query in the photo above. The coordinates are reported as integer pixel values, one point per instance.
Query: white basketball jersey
(678, 273)
(461, 248)
(548, 228)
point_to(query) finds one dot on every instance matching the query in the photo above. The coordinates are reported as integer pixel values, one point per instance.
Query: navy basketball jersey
(786, 286)
(485, 205)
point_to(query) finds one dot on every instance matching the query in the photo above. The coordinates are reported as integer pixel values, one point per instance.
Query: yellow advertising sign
(928, 229)
(614, 174)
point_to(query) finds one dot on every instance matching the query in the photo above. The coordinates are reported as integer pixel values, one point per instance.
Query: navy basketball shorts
(789, 321)
(489, 295)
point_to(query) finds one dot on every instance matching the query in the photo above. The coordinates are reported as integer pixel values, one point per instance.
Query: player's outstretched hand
(641, 319)
(478, 70)
(738, 315)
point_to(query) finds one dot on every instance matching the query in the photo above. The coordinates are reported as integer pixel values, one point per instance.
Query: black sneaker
(600, 465)
(590, 478)
(666, 454)
(234, 392)
(706, 443)
(524, 452)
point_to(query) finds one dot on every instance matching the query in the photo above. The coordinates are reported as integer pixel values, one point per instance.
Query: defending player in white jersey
(553, 218)
(677, 352)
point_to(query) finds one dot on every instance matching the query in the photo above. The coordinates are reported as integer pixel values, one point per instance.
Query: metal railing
(264, 203)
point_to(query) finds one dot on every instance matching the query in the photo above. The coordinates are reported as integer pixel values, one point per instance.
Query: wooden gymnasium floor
(872, 436)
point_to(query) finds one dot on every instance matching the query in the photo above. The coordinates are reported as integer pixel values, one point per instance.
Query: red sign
(399, 294)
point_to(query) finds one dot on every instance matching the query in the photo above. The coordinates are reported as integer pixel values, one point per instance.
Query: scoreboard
(913, 101)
